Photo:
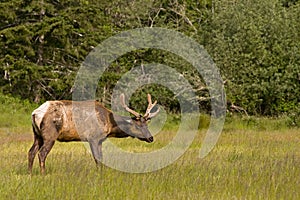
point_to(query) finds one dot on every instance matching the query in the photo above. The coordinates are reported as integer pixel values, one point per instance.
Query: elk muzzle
(149, 139)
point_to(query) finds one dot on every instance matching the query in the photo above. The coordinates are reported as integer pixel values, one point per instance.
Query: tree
(254, 43)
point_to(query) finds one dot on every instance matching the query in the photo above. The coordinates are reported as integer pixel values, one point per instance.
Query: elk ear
(129, 121)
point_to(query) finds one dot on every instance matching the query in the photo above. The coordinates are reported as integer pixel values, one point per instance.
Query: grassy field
(254, 158)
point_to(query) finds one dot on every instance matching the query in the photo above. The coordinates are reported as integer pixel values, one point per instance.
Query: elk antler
(122, 98)
(151, 105)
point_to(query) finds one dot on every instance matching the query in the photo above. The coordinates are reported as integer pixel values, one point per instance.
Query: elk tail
(34, 126)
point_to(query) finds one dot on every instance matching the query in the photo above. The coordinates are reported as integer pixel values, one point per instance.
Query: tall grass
(252, 160)
(243, 165)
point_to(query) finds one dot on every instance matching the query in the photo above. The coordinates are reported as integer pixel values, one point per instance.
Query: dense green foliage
(255, 44)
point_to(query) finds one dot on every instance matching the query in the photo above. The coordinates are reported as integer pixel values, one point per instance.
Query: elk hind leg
(44, 151)
(37, 143)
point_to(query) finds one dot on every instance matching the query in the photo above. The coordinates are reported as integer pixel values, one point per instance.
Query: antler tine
(150, 107)
(151, 115)
(122, 98)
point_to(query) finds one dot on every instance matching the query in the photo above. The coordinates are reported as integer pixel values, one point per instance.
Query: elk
(54, 120)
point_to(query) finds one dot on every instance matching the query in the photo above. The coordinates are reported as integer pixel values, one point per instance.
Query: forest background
(255, 44)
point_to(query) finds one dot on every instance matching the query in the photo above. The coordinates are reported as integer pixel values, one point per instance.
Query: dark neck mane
(119, 124)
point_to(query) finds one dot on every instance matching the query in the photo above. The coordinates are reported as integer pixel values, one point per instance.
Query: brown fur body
(55, 120)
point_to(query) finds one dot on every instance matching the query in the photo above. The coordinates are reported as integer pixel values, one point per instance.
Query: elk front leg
(100, 153)
(96, 148)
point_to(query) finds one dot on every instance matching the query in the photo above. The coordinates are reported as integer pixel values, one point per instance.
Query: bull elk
(54, 120)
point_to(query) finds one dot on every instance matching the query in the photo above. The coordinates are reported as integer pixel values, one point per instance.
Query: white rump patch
(40, 112)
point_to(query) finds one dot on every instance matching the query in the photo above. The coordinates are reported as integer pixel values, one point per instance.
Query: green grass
(15, 114)
(244, 165)
(257, 158)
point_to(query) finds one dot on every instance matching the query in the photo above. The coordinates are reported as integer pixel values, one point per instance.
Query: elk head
(138, 124)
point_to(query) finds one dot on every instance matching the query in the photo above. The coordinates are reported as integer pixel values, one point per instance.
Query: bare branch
(239, 109)
(185, 18)
(153, 19)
